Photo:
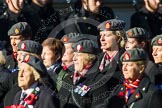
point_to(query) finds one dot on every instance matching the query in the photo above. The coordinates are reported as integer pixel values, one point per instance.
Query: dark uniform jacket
(145, 96)
(70, 99)
(45, 99)
(85, 22)
(4, 73)
(100, 87)
(158, 76)
(10, 87)
(153, 73)
(7, 19)
(42, 20)
(152, 22)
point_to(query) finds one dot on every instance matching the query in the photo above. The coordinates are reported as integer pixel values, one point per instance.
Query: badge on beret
(137, 95)
(79, 48)
(23, 46)
(17, 31)
(159, 41)
(27, 58)
(66, 39)
(129, 34)
(126, 56)
(108, 25)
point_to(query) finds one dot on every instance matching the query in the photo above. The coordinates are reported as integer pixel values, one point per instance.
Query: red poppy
(64, 67)
(121, 94)
(30, 100)
(15, 106)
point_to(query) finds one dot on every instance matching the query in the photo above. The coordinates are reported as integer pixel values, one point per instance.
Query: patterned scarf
(130, 88)
(78, 75)
(104, 62)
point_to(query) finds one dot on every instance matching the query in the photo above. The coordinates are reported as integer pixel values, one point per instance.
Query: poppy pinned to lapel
(121, 94)
(137, 95)
(15, 106)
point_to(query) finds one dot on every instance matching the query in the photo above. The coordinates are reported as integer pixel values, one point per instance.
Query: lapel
(17, 97)
(138, 94)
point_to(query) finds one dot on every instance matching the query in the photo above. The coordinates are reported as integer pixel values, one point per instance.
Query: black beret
(30, 46)
(85, 46)
(36, 63)
(157, 41)
(112, 25)
(135, 54)
(20, 28)
(76, 38)
(69, 38)
(137, 32)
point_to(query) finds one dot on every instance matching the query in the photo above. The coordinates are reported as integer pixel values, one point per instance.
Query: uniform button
(84, 18)
(146, 18)
(89, 28)
(121, 88)
(144, 89)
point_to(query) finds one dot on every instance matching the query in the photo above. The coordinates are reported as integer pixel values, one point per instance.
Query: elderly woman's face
(157, 54)
(81, 60)
(131, 70)
(25, 76)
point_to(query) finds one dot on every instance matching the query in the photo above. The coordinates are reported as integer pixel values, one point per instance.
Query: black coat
(100, 87)
(46, 99)
(70, 99)
(145, 96)
(85, 22)
(152, 22)
(4, 73)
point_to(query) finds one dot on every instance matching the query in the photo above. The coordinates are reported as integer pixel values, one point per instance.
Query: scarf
(78, 75)
(130, 88)
(104, 62)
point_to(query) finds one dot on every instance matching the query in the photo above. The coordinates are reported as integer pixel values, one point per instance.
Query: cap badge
(126, 56)
(159, 41)
(129, 34)
(17, 31)
(108, 25)
(66, 39)
(79, 48)
(23, 46)
(27, 58)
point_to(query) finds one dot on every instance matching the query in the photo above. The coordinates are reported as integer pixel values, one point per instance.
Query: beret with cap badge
(134, 54)
(20, 28)
(112, 25)
(85, 46)
(157, 41)
(36, 63)
(75, 37)
(30, 46)
(137, 32)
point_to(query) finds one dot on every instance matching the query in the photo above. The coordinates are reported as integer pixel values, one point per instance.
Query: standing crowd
(83, 58)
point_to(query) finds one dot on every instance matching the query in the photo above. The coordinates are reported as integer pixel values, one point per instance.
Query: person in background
(42, 17)
(9, 87)
(4, 72)
(33, 87)
(18, 32)
(136, 91)
(149, 18)
(53, 50)
(12, 15)
(156, 45)
(88, 17)
(138, 38)
(85, 63)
